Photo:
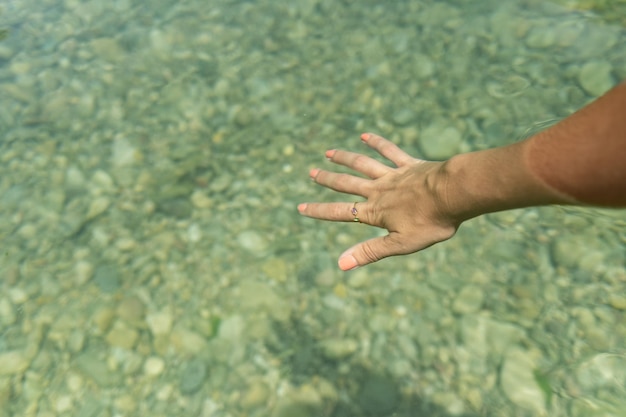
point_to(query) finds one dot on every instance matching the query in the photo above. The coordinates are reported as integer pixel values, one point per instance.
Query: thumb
(368, 252)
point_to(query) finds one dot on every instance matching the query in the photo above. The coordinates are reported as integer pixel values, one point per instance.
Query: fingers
(339, 212)
(344, 183)
(360, 163)
(387, 149)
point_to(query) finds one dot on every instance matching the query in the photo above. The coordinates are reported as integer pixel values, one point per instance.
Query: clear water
(152, 261)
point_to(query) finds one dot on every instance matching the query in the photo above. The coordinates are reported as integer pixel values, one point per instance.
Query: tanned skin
(579, 161)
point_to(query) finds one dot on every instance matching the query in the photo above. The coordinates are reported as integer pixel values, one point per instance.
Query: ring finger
(338, 212)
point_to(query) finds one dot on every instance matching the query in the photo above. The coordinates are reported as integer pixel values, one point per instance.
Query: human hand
(409, 200)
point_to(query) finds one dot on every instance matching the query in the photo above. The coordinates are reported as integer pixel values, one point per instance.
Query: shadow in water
(362, 392)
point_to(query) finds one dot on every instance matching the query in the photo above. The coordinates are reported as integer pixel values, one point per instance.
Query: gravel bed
(152, 260)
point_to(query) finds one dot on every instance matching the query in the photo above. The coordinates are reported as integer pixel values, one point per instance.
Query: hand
(408, 200)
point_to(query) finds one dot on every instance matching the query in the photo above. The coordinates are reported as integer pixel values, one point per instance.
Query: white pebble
(97, 207)
(160, 323)
(194, 233)
(153, 366)
(83, 271)
(18, 295)
(63, 404)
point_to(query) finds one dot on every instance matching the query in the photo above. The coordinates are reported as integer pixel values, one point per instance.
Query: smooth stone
(595, 77)
(231, 328)
(578, 251)
(160, 322)
(601, 370)
(276, 269)
(102, 179)
(519, 384)
(378, 396)
(255, 395)
(5, 52)
(424, 66)
(13, 362)
(103, 319)
(97, 207)
(221, 183)
(6, 392)
(124, 153)
(469, 300)
(107, 278)
(154, 366)
(200, 200)
(187, 341)
(123, 336)
(288, 408)
(76, 341)
(440, 142)
(338, 348)
(403, 117)
(617, 301)
(192, 377)
(8, 315)
(180, 208)
(83, 272)
(107, 48)
(96, 368)
(262, 297)
(541, 37)
(131, 309)
(252, 241)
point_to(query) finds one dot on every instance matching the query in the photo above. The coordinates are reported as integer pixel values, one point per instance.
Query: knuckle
(359, 161)
(369, 252)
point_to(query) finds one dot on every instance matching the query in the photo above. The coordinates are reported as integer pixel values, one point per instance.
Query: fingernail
(313, 173)
(348, 263)
(329, 154)
(302, 207)
(365, 137)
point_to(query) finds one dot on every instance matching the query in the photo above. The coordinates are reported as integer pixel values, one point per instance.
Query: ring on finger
(355, 213)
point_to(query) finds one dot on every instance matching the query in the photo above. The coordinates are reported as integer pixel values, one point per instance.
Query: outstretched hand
(409, 200)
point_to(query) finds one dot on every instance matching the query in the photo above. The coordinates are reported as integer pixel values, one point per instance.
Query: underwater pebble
(338, 348)
(440, 142)
(97, 207)
(13, 362)
(518, 382)
(469, 300)
(107, 278)
(153, 366)
(121, 335)
(255, 395)
(618, 301)
(192, 376)
(252, 241)
(595, 77)
(83, 271)
(159, 323)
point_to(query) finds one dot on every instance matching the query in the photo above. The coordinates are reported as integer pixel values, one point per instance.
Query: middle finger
(358, 162)
(344, 183)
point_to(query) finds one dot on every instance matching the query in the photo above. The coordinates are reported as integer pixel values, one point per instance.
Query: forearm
(494, 180)
(581, 160)
(584, 156)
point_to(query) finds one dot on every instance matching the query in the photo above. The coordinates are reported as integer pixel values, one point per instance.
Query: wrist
(493, 180)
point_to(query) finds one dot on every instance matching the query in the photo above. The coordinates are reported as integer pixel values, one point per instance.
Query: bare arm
(581, 160)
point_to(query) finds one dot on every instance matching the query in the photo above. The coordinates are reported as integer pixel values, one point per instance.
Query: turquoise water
(152, 260)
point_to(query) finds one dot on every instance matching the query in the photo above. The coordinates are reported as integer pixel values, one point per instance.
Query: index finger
(387, 149)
